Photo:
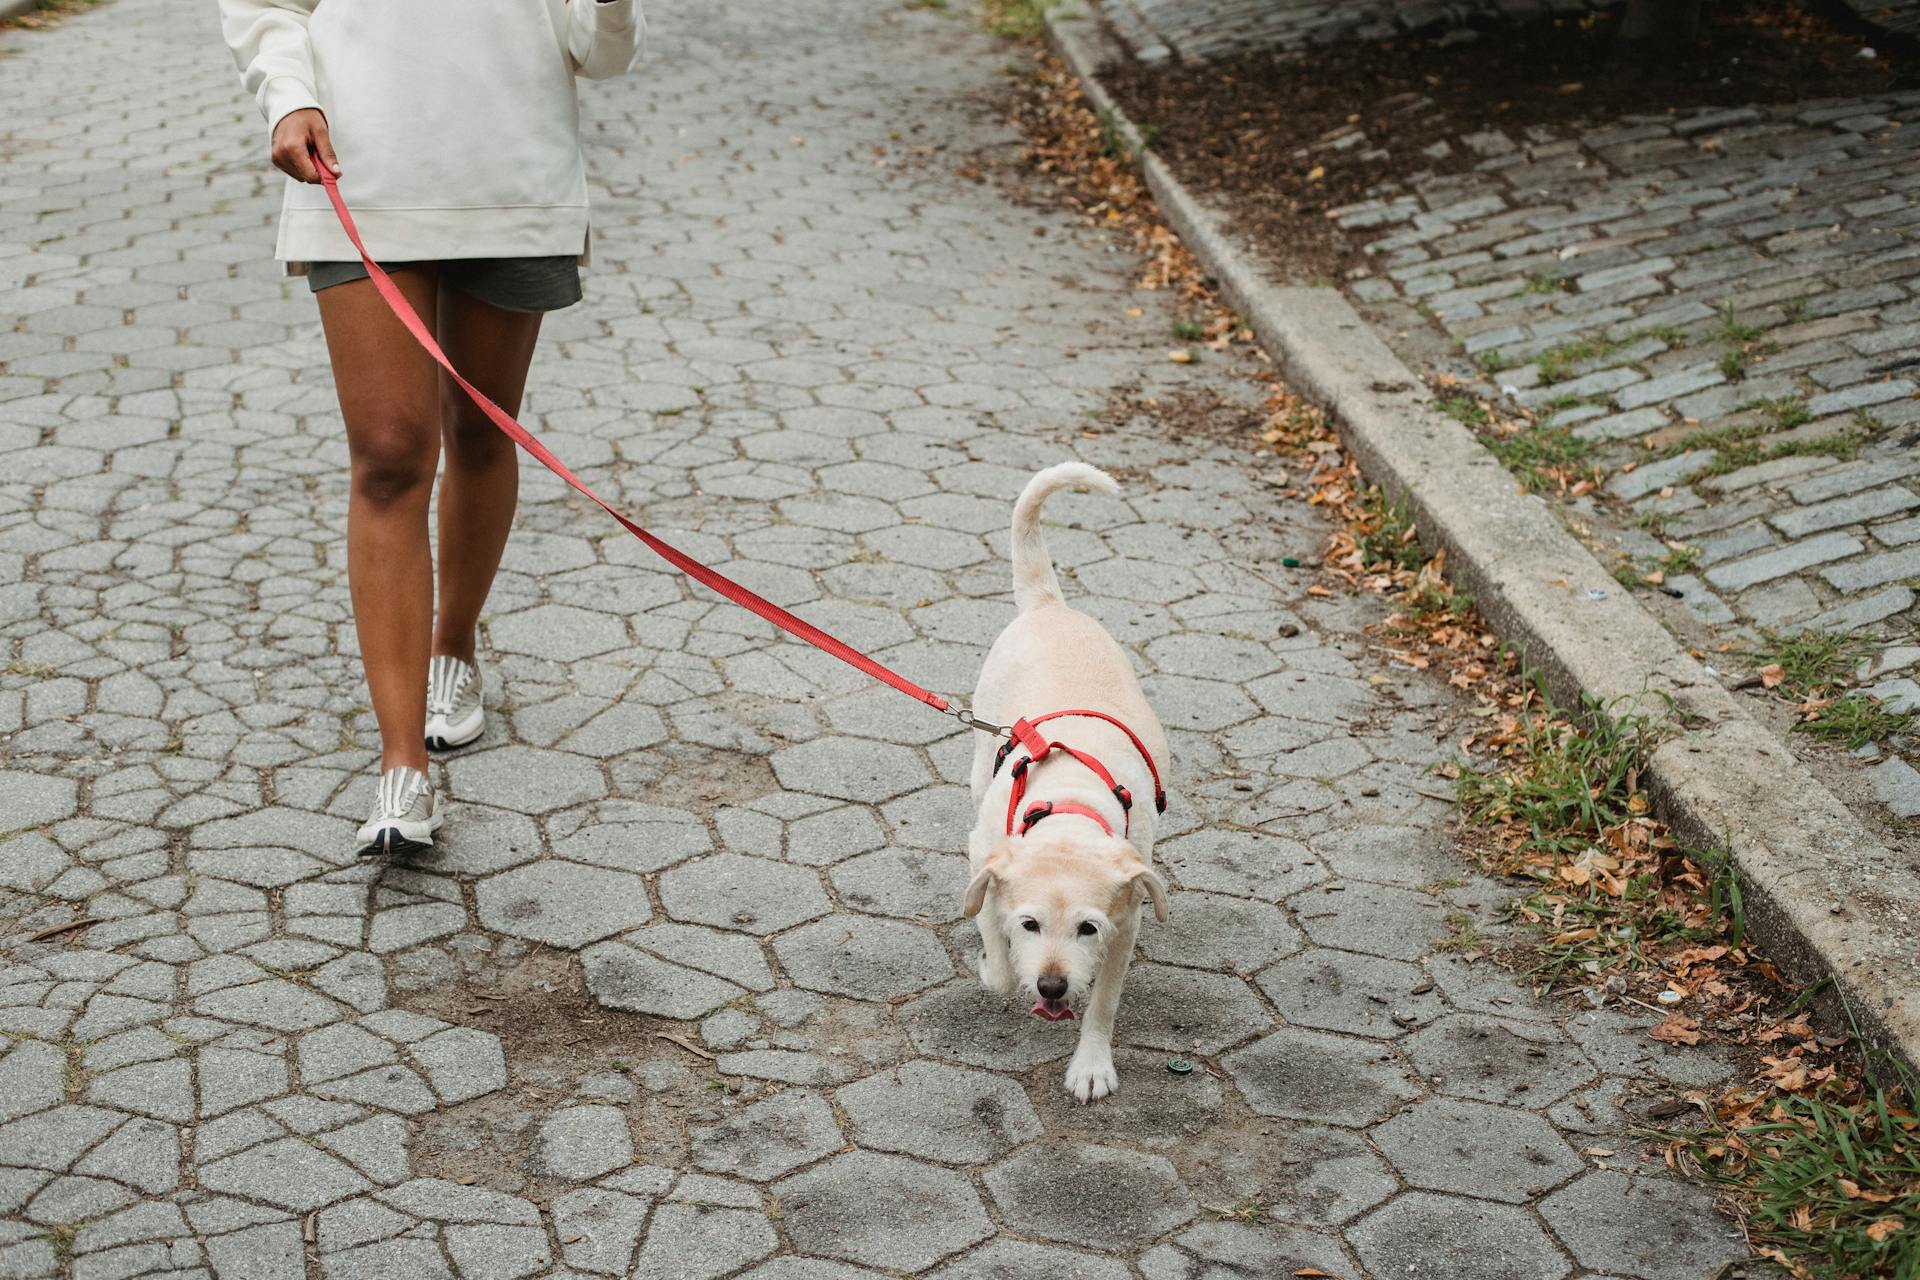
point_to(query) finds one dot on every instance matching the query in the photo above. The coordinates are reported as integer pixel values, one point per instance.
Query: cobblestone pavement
(1727, 305)
(1199, 30)
(1683, 291)
(826, 359)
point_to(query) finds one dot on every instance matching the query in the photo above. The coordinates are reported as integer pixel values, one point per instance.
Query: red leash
(710, 578)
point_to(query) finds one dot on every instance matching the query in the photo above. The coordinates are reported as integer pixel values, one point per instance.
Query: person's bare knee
(473, 442)
(393, 463)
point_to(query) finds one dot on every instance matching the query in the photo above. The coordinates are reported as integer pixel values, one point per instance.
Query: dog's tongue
(1051, 1010)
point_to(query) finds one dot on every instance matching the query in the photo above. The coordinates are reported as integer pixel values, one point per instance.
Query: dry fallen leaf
(1878, 1231)
(1180, 357)
(1677, 1029)
(1772, 674)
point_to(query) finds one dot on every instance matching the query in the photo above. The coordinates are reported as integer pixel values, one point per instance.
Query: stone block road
(683, 992)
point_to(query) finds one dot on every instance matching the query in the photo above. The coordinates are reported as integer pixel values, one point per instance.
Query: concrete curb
(1823, 896)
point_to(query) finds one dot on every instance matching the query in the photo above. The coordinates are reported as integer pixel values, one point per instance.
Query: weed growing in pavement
(1385, 535)
(1463, 409)
(1733, 330)
(1572, 783)
(1545, 458)
(1807, 664)
(1787, 412)
(1544, 283)
(1188, 331)
(1854, 721)
(1491, 361)
(1018, 19)
(1825, 1167)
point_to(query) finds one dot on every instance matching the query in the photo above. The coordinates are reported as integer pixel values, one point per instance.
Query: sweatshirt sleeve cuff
(281, 96)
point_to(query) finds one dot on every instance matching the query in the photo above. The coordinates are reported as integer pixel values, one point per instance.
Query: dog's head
(1060, 898)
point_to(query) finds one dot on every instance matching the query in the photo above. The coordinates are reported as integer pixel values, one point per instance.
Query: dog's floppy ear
(1139, 875)
(1149, 881)
(992, 867)
(977, 893)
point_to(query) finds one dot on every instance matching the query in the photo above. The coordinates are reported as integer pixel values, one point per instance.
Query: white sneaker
(406, 813)
(454, 714)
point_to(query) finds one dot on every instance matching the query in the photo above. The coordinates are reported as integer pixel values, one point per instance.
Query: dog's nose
(1051, 987)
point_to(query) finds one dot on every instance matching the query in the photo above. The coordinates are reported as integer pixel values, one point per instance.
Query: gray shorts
(512, 284)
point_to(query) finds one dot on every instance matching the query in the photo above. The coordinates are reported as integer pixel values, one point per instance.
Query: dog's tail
(1034, 583)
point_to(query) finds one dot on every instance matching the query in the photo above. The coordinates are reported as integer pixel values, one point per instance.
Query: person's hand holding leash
(296, 138)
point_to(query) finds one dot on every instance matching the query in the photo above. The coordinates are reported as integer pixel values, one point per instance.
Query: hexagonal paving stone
(1234, 1249)
(1185, 1009)
(850, 769)
(624, 977)
(1424, 1236)
(1247, 864)
(967, 1023)
(1204, 706)
(581, 1143)
(1619, 1045)
(557, 632)
(627, 836)
(1494, 1060)
(525, 780)
(1099, 1197)
(702, 1242)
(753, 895)
(1023, 1260)
(1360, 995)
(1498, 1153)
(1214, 931)
(886, 1211)
(1308, 1075)
(943, 1113)
(562, 904)
(1348, 915)
(915, 884)
(34, 799)
(1154, 1106)
(1650, 1228)
(1329, 1176)
(862, 957)
(769, 1138)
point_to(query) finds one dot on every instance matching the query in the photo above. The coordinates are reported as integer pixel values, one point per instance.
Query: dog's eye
(1088, 928)
(1031, 926)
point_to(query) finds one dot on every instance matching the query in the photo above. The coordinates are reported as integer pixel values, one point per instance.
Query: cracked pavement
(684, 992)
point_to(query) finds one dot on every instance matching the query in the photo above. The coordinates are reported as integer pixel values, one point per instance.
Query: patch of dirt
(1281, 138)
(701, 780)
(554, 1035)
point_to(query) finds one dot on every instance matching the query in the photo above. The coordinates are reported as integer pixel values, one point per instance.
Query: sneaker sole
(457, 735)
(389, 841)
(396, 838)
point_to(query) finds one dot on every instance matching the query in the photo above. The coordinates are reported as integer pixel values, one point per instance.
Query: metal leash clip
(967, 718)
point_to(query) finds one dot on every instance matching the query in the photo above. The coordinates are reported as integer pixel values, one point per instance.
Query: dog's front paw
(1091, 1075)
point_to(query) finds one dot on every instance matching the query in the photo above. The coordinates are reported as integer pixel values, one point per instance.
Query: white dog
(1062, 849)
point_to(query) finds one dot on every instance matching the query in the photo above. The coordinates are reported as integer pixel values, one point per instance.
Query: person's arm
(604, 37)
(269, 42)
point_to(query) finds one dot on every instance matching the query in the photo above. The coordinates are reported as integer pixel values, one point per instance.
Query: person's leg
(390, 397)
(492, 347)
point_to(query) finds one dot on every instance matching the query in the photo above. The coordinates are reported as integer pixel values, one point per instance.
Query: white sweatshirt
(454, 121)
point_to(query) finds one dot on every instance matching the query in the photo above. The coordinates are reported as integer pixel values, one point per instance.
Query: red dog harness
(1028, 738)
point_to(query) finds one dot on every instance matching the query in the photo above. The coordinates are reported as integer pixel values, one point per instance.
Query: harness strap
(1047, 808)
(1026, 735)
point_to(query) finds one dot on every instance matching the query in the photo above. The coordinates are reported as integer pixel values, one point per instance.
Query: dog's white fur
(1065, 899)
